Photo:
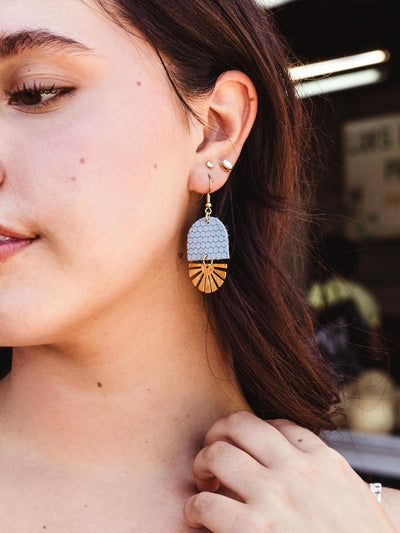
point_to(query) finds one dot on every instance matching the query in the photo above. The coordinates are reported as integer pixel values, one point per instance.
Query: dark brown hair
(259, 314)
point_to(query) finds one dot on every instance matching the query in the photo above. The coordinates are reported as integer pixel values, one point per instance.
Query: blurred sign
(372, 177)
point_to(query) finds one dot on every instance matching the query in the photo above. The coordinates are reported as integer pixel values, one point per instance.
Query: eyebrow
(17, 43)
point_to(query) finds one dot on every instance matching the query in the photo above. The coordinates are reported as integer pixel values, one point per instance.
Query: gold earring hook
(208, 210)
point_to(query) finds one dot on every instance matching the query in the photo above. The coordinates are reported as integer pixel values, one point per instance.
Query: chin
(15, 333)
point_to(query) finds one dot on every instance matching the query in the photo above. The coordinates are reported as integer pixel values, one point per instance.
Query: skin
(287, 479)
(116, 377)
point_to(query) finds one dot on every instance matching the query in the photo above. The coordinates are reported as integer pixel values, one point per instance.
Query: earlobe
(231, 110)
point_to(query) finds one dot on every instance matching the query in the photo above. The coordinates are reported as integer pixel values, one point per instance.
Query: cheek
(114, 165)
(109, 192)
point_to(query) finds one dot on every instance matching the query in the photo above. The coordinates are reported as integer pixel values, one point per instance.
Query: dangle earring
(207, 242)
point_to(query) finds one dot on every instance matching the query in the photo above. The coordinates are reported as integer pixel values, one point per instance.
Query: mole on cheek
(99, 384)
(155, 165)
(72, 178)
(139, 83)
(82, 160)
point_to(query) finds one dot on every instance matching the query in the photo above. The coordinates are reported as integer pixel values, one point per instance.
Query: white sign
(372, 177)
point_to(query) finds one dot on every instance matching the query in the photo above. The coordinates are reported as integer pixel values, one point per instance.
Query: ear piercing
(225, 165)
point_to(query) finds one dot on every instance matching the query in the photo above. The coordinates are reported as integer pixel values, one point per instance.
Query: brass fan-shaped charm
(207, 277)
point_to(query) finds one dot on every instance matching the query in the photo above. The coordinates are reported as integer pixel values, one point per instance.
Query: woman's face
(99, 173)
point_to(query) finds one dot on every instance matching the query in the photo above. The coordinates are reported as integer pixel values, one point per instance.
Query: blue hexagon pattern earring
(208, 249)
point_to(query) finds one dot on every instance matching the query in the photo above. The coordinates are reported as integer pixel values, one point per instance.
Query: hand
(276, 477)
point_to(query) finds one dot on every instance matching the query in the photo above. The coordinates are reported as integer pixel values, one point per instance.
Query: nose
(2, 173)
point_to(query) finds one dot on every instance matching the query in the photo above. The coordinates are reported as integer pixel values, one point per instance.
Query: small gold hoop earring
(226, 165)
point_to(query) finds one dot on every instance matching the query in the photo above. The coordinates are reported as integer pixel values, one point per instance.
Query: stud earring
(210, 164)
(207, 242)
(226, 165)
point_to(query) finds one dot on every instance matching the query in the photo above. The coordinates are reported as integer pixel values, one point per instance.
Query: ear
(230, 112)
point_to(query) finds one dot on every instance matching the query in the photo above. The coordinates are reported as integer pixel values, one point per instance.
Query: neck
(133, 396)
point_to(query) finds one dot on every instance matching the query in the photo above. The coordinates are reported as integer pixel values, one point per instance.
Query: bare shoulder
(391, 504)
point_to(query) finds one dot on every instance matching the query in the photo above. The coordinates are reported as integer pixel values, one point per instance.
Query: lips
(8, 233)
(13, 241)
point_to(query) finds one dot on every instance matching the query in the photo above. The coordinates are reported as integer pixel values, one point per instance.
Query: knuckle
(228, 427)
(238, 417)
(213, 452)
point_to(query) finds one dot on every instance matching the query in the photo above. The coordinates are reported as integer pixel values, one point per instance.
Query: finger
(256, 437)
(302, 438)
(217, 513)
(232, 467)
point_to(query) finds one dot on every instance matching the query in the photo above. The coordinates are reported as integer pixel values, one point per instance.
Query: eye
(37, 97)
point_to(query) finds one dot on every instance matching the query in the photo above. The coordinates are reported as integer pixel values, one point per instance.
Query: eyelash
(35, 89)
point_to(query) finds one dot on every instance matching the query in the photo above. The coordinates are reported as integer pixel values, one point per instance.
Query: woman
(116, 118)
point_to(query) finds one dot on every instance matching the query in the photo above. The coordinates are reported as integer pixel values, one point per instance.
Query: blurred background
(346, 65)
